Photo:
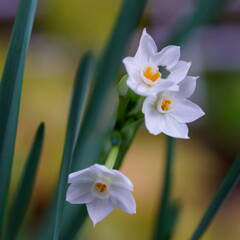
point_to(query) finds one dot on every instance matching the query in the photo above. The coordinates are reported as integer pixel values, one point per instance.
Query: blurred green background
(62, 32)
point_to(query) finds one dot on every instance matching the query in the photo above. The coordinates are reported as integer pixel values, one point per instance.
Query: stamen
(151, 76)
(101, 187)
(166, 104)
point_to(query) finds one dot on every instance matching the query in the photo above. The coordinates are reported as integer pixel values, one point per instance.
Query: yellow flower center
(101, 187)
(166, 104)
(150, 75)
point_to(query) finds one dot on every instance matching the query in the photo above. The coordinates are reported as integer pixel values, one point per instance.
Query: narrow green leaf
(102, 108)
(223, 192)
(205, 11)
(161, 231)
(75, 116)
(10, 93)
(24, 192)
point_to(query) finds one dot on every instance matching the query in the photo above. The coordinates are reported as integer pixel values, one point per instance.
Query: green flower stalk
(112, 157)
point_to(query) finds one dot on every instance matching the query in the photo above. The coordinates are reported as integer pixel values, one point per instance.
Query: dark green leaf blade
(75, 116)
(10, 93)
(223, 192)
(23, 195)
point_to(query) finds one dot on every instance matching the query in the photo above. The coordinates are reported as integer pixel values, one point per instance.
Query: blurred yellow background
(63, 31)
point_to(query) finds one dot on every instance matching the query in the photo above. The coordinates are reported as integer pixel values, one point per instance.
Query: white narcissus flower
(101, 189)
(169, 111)
(144, 76)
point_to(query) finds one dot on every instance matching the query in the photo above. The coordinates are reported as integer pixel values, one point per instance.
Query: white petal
(79, 193)
(153, 119)
(173, 88)
(101, 170)
(121, 180)
(89, 174)
(163, 85)
(179, 71)
(173, 128)
(117, 178)
(167, 57)
(123, 199)
(99, 209)
(148, 104)
(142, 89)
(131, 83)
(147, 47)
(186, 111)
(139, 88)
(153, 122)
(187, 87)
(131, 67)
(80, 176)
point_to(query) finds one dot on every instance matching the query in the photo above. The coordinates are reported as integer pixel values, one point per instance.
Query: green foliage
(24, 192)
(10, 93)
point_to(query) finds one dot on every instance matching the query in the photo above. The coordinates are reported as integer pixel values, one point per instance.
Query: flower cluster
(162, 78)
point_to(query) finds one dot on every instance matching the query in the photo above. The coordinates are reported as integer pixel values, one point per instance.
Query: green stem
(161, 231)
(223, 192)
(112, 157)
